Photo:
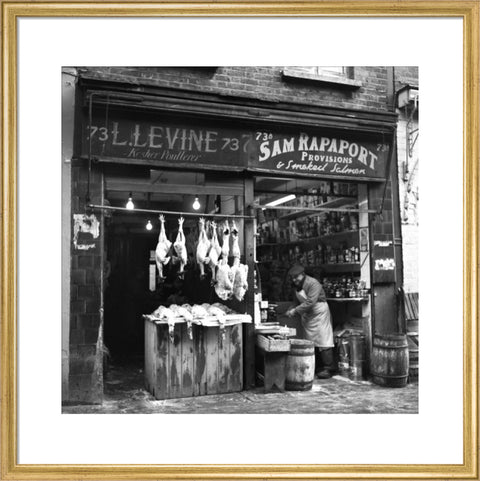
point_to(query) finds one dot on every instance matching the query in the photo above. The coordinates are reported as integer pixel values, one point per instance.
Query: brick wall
(86, 347)
(265, 83)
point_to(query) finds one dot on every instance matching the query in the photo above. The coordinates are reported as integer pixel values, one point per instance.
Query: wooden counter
(206, 359)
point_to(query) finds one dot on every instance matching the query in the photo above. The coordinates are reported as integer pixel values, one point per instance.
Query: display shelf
(347, 299)
(332, 204)
(333, 268)
(307, 240)
(340, 268)
(334, 236)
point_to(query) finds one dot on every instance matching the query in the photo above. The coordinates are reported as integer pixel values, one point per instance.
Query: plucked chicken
(224, 285)
(203, 247)
(181, 311)
(217, 312)
(225, 240)
(214, 252)
(180, 247)
(188, 307)
(199, 312)
(163, 246)
(220, 315)
(165, 314)
(235, 244)
(222, 307)
(240, 284)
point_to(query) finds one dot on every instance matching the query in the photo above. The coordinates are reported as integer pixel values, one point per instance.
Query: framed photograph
(226, 228)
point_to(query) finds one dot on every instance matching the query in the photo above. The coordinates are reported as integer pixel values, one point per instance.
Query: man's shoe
(324, 374)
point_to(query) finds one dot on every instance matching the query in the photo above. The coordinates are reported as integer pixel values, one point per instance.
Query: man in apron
(312, 307)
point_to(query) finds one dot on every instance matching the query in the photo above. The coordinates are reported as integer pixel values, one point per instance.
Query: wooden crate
(269, 344)
(209, 363)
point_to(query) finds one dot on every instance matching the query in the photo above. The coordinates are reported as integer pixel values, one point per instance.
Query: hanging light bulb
(149, 225)
(130, 205)
(196, 203)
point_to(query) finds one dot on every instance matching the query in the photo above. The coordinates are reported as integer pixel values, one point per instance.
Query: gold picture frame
(468, 11)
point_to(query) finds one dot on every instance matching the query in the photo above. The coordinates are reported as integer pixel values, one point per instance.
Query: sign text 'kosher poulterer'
(302, 153)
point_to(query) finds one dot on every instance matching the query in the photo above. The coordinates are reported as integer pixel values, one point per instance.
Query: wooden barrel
(300, 365)
(389, 362)
(357, 357)
(412, 360)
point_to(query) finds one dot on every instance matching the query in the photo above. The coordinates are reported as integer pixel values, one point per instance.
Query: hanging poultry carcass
(235, 245)
(180, 247)
(225, 240)
(224, 285)
(240, 284)
(163, 246)
(214, 252)
(203, 247)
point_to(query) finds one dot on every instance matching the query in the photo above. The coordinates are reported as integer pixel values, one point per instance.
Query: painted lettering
(288, 145)
(302, 142)
(353, 150)
(171, 138)
(265, 151)
(363, 155)
(154, 135)
(115, 132)
(314, 145)
(136, 136)
(196, 139)
(276, 148)
(343, 146)
(210, 141)
(333, 146)
(324, 143)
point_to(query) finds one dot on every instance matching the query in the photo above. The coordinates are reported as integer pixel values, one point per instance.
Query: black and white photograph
(240, 240)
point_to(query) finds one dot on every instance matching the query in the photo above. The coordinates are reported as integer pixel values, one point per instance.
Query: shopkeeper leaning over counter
(311, 305)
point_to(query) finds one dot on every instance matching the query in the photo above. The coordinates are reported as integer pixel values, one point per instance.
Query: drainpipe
(396, 214)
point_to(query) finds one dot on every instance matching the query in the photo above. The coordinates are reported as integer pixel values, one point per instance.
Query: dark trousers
(324, 360)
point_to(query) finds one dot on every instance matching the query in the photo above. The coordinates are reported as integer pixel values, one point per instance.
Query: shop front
(189, 211)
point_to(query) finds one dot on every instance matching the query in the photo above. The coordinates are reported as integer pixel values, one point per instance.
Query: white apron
(317, 324)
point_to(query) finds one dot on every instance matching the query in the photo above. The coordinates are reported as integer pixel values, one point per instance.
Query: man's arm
(313, 292)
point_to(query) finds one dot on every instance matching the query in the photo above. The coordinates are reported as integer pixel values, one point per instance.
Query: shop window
(316, 223)
(340, 76)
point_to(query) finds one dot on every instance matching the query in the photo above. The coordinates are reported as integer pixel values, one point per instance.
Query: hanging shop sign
(157, 140)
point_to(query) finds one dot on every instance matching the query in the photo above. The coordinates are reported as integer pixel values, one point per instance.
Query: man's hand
(291, 312)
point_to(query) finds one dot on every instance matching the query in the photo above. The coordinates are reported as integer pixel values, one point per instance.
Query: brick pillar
(86, 321)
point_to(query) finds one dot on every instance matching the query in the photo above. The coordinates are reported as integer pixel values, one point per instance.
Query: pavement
(125, 393)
